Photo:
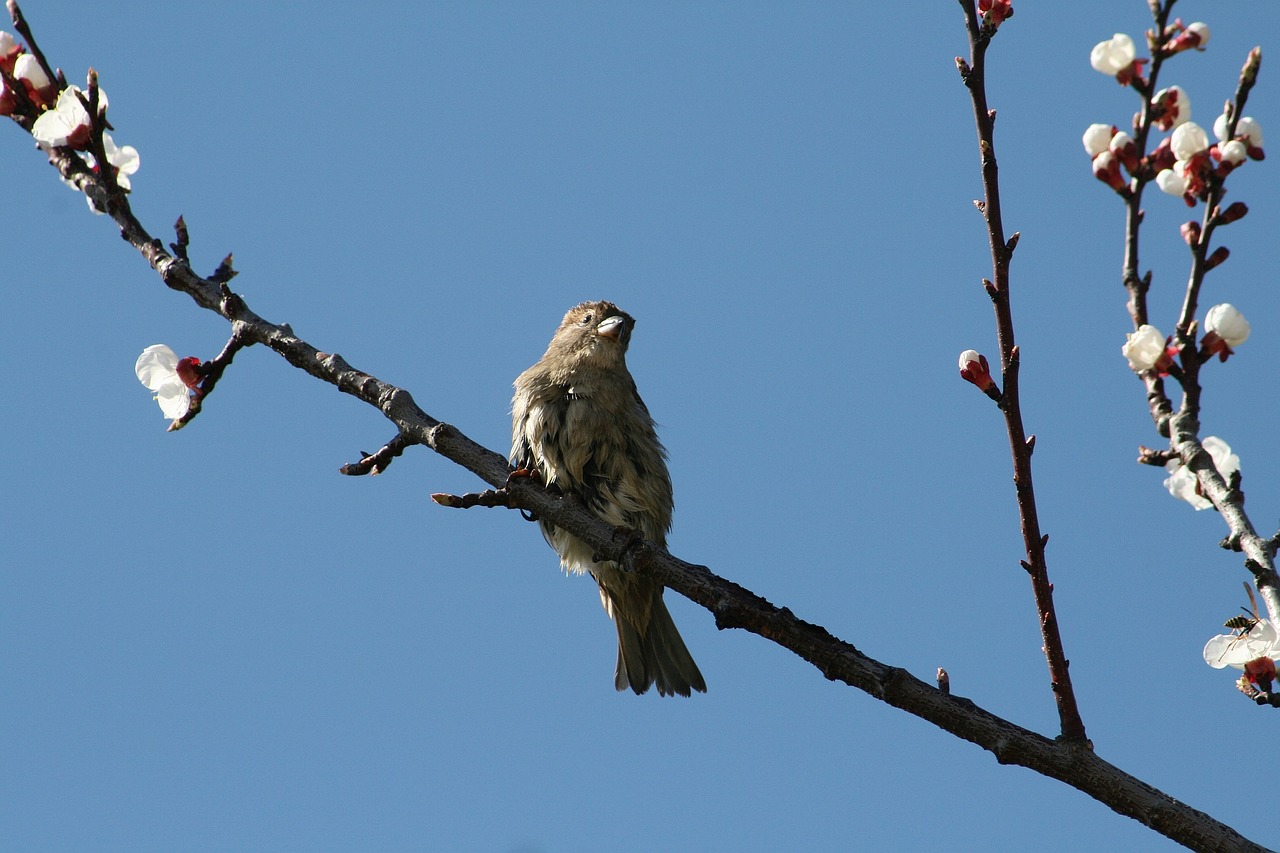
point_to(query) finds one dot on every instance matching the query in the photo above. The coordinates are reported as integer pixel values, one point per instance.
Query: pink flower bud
(1261, 671)
(1123, 146)
(1106, 168)
(1236, 210)
(1116, 57)
(973, 368)
(1250, 130)
(188, 371)
(1190, 232)
(1230, 154)
(8, 99)
(27, 71)
(1227, 323)
(994, 12)
(1097, 138)
(1170, 108)
(1162, 157)
(1194, 36)
(9, 51)
(1172, 182)
(1188, 140)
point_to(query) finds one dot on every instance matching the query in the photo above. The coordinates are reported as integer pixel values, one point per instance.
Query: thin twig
(24, 29)
(1072, 725)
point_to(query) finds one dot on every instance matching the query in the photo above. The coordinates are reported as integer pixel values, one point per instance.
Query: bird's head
(593, 333)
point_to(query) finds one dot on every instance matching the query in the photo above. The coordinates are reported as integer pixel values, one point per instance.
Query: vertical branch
(973, 75)
(1136, 284)
(1182, 427)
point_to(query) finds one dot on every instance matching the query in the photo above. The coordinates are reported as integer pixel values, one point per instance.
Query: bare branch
(1021, 447)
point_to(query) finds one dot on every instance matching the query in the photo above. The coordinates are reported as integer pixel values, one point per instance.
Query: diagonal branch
(732, 606)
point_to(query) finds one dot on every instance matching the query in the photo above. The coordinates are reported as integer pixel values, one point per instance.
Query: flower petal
(174, 399)
(157, 366)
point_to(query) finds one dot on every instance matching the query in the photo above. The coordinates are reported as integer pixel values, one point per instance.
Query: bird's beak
(610, 327)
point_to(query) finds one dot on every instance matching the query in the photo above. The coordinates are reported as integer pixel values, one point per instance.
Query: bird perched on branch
(578, 420)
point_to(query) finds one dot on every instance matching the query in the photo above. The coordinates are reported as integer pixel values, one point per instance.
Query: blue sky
(212, 641)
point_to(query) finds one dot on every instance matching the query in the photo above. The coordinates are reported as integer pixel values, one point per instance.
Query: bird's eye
(587, 318)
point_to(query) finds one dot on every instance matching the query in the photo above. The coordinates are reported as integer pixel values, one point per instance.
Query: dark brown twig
(377, 462)
(488, 498)
(182, 239)
(24, 29)
(973, 74)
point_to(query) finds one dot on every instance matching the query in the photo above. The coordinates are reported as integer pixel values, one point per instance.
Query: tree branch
(973, 73)
(732, 605)
(1067, 759)
(1182, 427)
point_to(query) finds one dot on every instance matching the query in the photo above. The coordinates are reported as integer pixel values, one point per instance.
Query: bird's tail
(650, 649)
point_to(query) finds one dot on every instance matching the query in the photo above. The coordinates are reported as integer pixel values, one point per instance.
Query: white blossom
(1228, 323)
(1201, 30)
(1179, 103)
(124, 158)
(1113, 55)
(1143, 348)
(1188, 140)
(1233, 152)
(66, 124)
(28, 68)
(1250, 130)
(1172, 180)
(1261, 641)
(157, 368)
(1182, 483)
(1097, 138)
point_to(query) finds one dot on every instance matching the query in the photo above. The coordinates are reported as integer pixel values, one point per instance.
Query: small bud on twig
(1219, 255)
(974, 368)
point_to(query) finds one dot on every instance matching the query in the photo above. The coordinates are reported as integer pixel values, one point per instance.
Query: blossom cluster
(1147, 348)
(1184, 163)
(62, 119)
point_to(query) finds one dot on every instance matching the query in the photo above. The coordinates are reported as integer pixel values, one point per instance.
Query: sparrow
(578, 421)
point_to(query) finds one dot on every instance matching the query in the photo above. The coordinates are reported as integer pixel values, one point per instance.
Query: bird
(577, 420)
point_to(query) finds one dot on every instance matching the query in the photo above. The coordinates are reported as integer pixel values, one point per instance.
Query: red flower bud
(188, 371)
(1236, 210)
(1261, 671)
(973, 368)
(1219, 255)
